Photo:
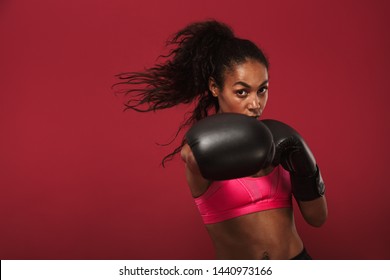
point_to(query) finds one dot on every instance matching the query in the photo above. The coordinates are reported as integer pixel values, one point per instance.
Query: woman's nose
(254, 102)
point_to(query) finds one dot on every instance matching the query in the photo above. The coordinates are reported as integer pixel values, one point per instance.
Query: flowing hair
(198, 52)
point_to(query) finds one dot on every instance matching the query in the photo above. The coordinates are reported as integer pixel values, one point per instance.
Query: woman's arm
(315, 212)
(307, 184)
(198, 185)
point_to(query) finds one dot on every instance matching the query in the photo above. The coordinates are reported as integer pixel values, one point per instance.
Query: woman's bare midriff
(269, 234)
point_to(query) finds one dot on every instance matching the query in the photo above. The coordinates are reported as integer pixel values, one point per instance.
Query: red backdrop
(80, 179)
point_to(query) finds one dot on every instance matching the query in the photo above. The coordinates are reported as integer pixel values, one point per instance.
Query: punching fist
(294, 155)
(230, 145)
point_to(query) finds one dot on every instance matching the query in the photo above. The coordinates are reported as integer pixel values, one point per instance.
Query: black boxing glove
(294, 155)
(230, 145)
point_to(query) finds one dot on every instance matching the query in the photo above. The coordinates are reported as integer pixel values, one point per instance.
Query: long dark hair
(198, 52)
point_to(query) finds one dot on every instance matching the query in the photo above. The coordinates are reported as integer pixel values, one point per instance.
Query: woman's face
(245, 90)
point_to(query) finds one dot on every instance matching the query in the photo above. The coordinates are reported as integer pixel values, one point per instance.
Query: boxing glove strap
(307, 188)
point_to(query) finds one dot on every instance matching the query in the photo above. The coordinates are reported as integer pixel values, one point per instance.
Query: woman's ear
(213, 87)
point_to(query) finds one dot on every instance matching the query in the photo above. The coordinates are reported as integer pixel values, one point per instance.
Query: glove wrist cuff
(307, 188)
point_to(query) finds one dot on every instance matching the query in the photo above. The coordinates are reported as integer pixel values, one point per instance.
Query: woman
(226, 75)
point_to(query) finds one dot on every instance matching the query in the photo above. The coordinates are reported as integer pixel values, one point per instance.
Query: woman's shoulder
(198, 185)
(188, 157)
(185, 152)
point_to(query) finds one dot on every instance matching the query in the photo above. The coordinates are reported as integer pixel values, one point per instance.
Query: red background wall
(80, 179)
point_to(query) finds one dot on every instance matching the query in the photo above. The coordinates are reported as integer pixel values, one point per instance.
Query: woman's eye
(242, 92)
(262, 90)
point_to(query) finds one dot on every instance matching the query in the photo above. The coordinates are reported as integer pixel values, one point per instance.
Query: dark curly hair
(198, 52)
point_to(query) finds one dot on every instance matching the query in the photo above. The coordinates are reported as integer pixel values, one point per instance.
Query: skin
(269, 234)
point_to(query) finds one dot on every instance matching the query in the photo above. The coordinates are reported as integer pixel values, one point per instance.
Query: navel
(265, 256)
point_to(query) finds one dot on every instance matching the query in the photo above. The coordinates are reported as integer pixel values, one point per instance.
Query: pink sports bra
(228, 199)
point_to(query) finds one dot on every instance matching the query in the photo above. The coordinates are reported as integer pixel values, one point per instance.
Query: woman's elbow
(317, 221)
(314, 212)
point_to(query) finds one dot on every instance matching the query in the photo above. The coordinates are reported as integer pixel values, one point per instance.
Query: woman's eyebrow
(241, 84)
(248, 86)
